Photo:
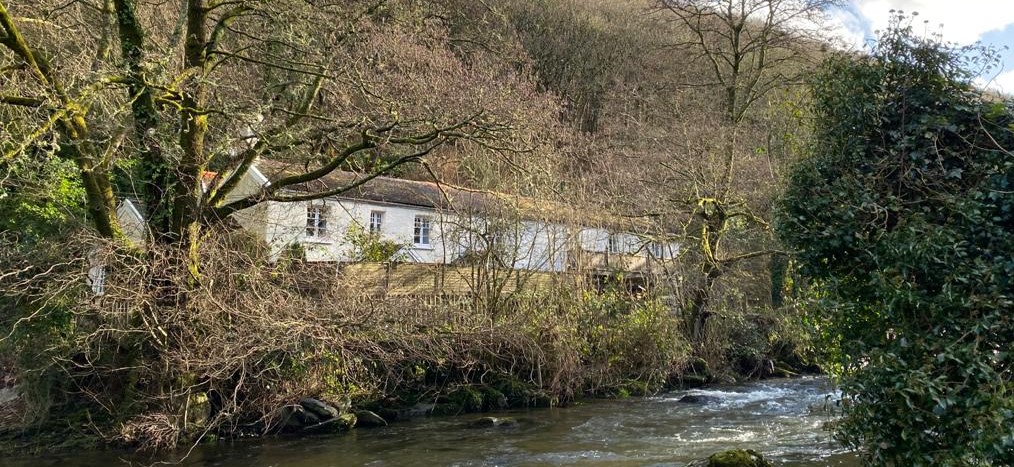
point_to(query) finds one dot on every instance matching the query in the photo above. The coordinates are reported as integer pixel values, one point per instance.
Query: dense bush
(628, 345)
(902, 218)
(257, 336)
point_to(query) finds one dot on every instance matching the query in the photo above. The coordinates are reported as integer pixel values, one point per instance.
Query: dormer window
(376, 221)
(316, 220)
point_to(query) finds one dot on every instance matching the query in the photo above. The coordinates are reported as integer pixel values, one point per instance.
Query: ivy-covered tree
(901, 216)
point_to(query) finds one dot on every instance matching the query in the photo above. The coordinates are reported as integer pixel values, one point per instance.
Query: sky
(990, 22)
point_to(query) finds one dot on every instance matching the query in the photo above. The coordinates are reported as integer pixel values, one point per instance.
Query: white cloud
(1003, 82)
(844, 25)
(963, 22)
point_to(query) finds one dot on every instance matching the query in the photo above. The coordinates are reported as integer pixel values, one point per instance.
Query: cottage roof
(451, 198)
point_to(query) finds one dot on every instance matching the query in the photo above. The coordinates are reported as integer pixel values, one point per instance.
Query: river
(782, 419)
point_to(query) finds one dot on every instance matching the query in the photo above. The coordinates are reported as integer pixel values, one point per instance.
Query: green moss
(468, 398)
(493, 399)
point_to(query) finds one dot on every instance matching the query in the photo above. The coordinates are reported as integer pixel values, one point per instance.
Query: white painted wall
(543, 246)
(597, 240)
(286, 225)
(532, 245)
(592, 239)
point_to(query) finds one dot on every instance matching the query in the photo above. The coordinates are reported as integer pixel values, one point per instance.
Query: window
(97, 280)
(316, 221)
(421, 233)
(614, 243)
(376, 221)
(656, 250)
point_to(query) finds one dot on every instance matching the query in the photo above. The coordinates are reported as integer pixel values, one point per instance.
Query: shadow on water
(782, 419)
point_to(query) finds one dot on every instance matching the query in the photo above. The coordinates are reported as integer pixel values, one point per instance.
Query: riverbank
(258, 341)
(780, 418)
(307, 418)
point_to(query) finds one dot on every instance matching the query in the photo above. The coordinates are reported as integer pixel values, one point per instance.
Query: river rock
(340, 423)
(321, 409)
(738, 458)
(698, 399)
(419, 410)
(365, 418)
(295, 417)
(487, 422)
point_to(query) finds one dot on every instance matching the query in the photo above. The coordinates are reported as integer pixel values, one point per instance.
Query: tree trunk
(154, 172)
(699, 306)
(187, 192)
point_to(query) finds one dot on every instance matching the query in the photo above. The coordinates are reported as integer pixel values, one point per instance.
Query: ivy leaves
(902, 215)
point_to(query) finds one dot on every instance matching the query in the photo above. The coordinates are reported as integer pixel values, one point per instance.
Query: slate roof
(447, 197)
(386, 189)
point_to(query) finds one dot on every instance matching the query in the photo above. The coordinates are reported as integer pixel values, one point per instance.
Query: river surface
(782, 419)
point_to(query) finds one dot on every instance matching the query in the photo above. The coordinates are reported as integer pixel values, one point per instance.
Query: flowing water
(782, 419)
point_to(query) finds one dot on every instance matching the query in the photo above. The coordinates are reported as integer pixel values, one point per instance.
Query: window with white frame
(614, 243)
(421, 232)
(316, 220)
(376, 221)
(97, 280)
(656, 250)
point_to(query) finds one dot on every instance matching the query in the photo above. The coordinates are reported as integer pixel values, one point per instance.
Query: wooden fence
(414, 279)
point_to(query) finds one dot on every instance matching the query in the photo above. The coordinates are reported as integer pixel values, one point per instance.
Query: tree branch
(22, 101)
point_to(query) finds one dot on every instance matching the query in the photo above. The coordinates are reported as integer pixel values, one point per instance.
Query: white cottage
(439, 224)
(433, 224)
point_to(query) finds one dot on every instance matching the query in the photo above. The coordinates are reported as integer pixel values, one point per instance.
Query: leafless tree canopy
(146, 98)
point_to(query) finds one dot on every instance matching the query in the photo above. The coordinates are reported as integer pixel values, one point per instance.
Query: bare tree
(753, 50)
(747, 43)
(205, 86)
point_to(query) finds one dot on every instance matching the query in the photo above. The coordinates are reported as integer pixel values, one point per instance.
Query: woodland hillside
(682, 114)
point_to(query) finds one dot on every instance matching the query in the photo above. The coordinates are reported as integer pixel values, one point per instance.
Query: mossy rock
(693, 381)
(467, 398)
(698, 373)
(738, 458)
(699, 366)
(494, 399)
(489, 422)
(343, 422)
(198, 411)
(366, 418)
(518, 394)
